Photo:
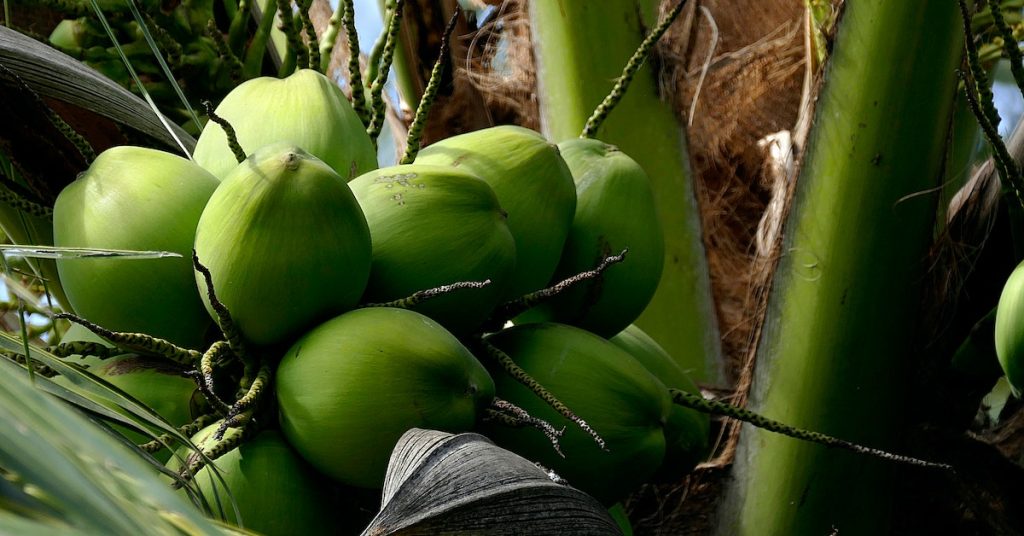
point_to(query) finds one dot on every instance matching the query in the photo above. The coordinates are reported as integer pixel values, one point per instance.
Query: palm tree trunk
(840, 316)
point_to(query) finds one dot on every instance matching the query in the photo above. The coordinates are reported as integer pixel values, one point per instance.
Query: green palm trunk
(580, 47)
(842, 310)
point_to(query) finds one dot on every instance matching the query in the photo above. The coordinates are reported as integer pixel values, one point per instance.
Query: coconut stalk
(840, 319)
(580, 47)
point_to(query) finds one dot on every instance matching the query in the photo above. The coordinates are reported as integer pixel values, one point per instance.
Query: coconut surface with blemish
(434, 226)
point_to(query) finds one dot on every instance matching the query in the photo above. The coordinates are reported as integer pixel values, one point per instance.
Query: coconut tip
(290, 159)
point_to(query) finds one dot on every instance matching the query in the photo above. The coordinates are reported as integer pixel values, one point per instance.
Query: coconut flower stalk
(580, 48)
(840, 316)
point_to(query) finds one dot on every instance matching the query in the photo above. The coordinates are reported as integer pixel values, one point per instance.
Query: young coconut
(351, 387)
(305, 109)
(1009, 332)
(275, 490)
(286, 244)
(533, 185)
(137, 199)
(433, 226)
(614, 211)
(602, 384)
(686, 430)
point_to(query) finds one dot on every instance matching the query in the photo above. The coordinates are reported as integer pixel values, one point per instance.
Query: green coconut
(351, 387)
(603, 385)
(276, 491)
(306, 109)
(1010, 329)
(614, 211)
(533, 185)
(686, 431)
(285, 242)
(433, 226)
(70, 35)
(137, 199)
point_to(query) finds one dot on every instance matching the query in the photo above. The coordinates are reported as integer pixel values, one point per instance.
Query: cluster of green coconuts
(305, 232)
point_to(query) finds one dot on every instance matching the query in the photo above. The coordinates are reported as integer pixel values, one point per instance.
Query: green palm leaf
(64, 474)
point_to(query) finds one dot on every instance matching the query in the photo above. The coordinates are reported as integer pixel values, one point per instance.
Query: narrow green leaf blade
(54, 252)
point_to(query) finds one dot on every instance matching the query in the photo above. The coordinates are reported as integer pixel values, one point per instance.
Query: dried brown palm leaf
(440, 483)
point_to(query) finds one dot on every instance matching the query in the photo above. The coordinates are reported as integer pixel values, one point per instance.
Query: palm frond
(63, 471)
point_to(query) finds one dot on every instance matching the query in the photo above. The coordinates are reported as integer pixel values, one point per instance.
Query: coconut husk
(507, 81)
(736, 81)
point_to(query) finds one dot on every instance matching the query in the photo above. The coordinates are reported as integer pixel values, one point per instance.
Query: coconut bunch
(322, 308)
(204, 60)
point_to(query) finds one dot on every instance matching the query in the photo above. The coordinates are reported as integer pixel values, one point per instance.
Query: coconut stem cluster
(509, 414)
(138, 342)
(523, 377)
(377, 105)
(187, 430)
(412, 141)
(229, 131)
(514, 308)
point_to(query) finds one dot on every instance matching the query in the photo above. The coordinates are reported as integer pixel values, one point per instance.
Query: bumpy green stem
(299, 53)
(194, 463)
(94, 349)
(11, 198)
(217, 351)
(524, 378)
(355, 78)
(227, 325)
(163, 38)
(982, 103)
(412, 143)
(23, 197)
(247, 402)
(223, 48)
(1007, 168)
(307, 26)
(632, 66)
(76, 139)
(377, 106)
(699, 403)
(1010, 43)
(514, 308)
(37, 367)
(187, 430)
(229, 131)
(978, 72)
(424, 295)
(139, 342)
(509, 414)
